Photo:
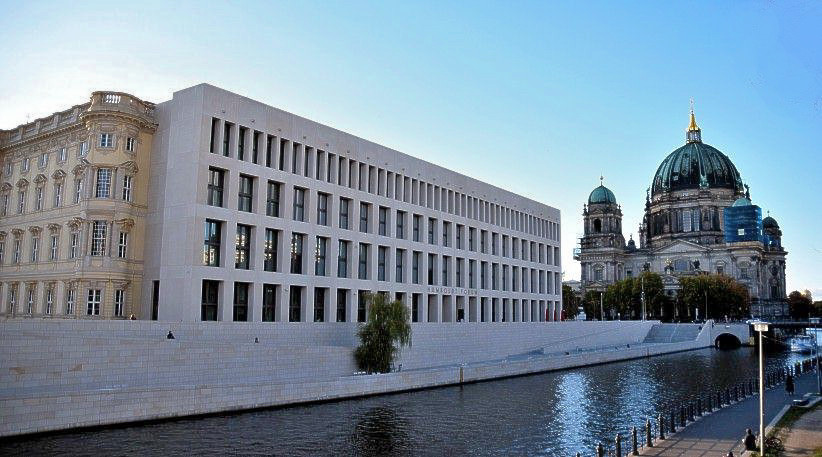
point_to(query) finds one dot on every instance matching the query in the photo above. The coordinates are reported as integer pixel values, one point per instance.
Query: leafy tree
(590, 303)
(655, 299)
(725, 296)
(388, 328)
(570, 302)
(800, 305)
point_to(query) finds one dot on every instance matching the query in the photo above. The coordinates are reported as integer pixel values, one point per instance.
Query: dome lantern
(694, 133)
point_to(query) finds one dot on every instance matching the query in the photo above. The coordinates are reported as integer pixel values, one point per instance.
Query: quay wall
(66, 374)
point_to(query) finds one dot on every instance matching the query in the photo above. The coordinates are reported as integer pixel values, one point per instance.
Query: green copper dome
(601, 195)
(769, 222)
(693, 166)
(742, 201)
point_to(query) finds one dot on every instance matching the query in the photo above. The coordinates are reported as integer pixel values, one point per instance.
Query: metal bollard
(618, 446)
(649, 440)
(661, 423)
(600, 450)
(681, 416)
(634, 447)
(673, 422)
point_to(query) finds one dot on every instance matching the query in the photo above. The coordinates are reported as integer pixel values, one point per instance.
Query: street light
(601, 313)
(761, 327)
(642, 281)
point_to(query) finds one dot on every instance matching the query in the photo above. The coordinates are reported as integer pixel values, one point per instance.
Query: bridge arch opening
(727, 341)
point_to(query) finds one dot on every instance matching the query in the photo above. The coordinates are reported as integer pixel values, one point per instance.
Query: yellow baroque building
(73, 202)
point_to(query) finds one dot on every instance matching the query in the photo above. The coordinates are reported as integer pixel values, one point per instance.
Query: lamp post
(601, 313)
(761, 327)
(706, 304)
(642, 282)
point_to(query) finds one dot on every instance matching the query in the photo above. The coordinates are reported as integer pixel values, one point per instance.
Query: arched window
(597, 226)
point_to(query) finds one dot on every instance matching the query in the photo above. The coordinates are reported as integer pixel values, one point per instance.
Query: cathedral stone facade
(698, 219)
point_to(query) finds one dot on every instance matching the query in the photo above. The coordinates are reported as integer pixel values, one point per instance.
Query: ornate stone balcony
(122, 105)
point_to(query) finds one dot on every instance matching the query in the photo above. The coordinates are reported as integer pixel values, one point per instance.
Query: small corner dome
(769, 222)
(742, 201)
(601, 195)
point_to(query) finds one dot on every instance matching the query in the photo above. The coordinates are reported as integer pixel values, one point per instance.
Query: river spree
(556, 413)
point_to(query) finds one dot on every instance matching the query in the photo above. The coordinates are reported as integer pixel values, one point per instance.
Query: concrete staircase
(672, 333)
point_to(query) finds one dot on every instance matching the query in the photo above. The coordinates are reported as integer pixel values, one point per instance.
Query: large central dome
(696, 165)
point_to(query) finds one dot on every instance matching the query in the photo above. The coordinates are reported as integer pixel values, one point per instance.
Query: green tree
(656, 302)
(800, 305)
(725, 296)
(590, 303)
(570, 302)
(388, 328)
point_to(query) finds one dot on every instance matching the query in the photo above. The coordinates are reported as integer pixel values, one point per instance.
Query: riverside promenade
(717, 433)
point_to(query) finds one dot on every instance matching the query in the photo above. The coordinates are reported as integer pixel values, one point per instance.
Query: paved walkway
(806, 434)
(716, 434)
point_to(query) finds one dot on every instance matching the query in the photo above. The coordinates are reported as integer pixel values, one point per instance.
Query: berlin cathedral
(698, 219)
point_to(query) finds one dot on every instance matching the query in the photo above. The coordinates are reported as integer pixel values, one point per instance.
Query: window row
(324, 304)
(100, 244)
(404, 225)
(26, 300)
(250, 145)
(415, 267)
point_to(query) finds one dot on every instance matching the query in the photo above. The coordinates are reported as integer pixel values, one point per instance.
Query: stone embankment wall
(65, 374)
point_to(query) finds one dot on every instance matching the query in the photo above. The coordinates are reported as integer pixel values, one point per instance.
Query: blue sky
(536, 97)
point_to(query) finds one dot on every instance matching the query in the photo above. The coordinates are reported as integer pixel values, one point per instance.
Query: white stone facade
(483, 254)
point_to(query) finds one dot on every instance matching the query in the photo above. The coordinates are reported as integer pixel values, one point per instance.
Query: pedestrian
(749, 441)
(789, 385)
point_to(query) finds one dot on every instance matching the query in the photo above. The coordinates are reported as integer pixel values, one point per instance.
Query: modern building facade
(243, 212)
(698, 219)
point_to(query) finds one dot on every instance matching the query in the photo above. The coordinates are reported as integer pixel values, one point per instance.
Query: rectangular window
(49, 300)
(73, 240)
(460, 229)
(432, 223)
(344, 207)
(212, 141)
(242, 255)
(432, 261)
(227, 138)
(458, 271)
(269, 302)
(25, 164)
(5, 208)
(319, 256)
(70, 301)
(103, 183)
(215, 186)
(38, 199)
(99, 234)
(52, 252)
(2, 251)
(93, 303)
(322, 208)
(342, 300)
(272, 203)
(21, 202)
(415, 267)
(209, 299)
(17, 245)
(271, 249)
(342, 260)
(400, 225)
(44, 160)
(78, 190)
(106, 140)
(122, 245)
(364, 209)
(245, 196)
(119, 302)
(241, 143)
(399, 275)
(297, 253)
(127, 183)
(240, 302)
(58, 194)
(82, 149)
(416, 228)
(131, 145)
(382, 252)
(319, 304)
(212, 243)
(471, 234)
(299, 204)
(362, 272)
(295, 294)
(61, 156)
(383, 221)
(361, 305)
(35, 248)
(255, 140)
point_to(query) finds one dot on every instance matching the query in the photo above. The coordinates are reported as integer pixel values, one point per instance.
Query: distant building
(212, 206)
(698, 219)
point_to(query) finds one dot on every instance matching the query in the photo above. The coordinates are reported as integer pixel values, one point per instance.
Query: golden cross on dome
(600, 179)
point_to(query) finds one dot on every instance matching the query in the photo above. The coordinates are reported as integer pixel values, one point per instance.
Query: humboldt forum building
(212, 206)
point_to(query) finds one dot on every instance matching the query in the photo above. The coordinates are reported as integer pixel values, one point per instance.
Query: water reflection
(556, 413)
